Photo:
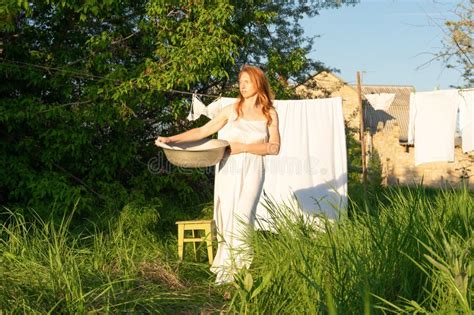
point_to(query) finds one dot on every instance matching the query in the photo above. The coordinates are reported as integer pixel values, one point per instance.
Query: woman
(251, 128)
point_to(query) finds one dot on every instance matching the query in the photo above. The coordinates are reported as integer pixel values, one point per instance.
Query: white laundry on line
(432, 125)
(466, 120)
(312, 163)
(198, 108)
(380, 101)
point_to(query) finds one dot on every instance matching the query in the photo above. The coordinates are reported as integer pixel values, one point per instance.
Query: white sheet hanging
(432, 125)
(466, 120)
(380, 101)
(198, 108)
(312, 162)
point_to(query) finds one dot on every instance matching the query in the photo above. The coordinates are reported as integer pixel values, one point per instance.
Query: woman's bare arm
(199, 133)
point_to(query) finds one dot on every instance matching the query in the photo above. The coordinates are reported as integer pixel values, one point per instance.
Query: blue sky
(389, 41)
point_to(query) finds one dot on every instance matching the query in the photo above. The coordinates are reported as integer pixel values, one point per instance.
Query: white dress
(238, 184)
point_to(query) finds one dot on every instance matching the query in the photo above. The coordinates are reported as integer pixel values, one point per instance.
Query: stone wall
(398, 164)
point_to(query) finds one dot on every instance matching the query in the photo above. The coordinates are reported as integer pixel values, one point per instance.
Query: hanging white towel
(312, 162)
(411, 119)
(380, 101)
(432, 125)
(198, 108)
(466, 120)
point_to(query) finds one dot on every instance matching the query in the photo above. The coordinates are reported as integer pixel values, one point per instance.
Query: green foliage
(354, 167)
(47, 269)
(248, 289)
(85, 90)
(374, 171)
(413, 254)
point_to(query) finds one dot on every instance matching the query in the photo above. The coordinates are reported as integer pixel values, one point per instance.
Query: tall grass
(412, 253)
(44, 268)
(407, 251)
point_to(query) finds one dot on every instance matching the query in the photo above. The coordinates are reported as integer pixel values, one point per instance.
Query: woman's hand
(163, 140)
(237, 147)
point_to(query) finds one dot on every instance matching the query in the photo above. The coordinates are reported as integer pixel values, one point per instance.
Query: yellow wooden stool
(209, 235)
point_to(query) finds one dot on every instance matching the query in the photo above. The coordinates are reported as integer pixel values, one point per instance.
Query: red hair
(264, 92)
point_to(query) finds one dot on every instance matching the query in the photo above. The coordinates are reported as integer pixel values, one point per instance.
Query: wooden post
(362, 133)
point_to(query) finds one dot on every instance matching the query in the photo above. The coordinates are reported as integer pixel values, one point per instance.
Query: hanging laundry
(312, 163)
(380, 101)
(215, 107)
(466, 120)
(198, 108)
(432, 125)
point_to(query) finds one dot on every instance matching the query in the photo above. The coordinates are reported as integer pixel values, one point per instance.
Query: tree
(86, 86)
(458, 49)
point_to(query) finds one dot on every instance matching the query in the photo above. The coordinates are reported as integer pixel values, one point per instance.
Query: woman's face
(246, 86)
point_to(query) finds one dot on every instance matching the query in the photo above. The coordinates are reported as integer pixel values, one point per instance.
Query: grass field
(405, 251)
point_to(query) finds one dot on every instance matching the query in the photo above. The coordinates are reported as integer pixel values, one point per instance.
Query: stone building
(387, 133)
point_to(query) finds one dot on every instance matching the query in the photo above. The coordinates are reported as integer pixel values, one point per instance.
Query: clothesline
(76, 74)
(192, 93)
(83, 74)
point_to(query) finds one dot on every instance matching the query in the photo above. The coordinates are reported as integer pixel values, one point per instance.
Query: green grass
(403, 251)
(126, 268)
(413, 253)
